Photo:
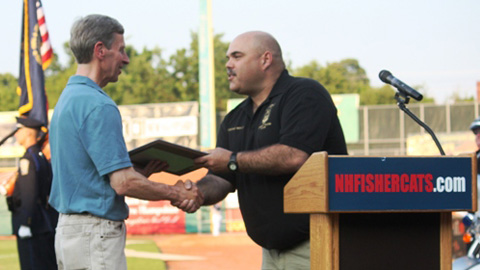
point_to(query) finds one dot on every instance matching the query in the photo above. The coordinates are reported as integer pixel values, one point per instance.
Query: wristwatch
(232, 164)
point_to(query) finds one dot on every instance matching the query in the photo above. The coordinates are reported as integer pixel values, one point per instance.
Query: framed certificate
(179, 158)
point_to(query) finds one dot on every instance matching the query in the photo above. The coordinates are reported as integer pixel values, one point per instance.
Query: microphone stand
(401, 101)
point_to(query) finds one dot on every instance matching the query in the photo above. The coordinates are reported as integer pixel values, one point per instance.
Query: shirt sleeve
(102, 137)
(26, 191)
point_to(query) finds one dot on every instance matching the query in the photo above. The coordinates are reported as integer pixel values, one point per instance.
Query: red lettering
(370, 186)
(349, 183)
(378, 182)
(387, 182)
(395, 183)
(413, 183)
(363, 182)
(383, 183)
(404, 180)
(338, 182)
(428, 182)
(358, 182)
(420, 178)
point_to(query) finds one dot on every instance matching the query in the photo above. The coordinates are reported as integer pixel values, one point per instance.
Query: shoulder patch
(24, 164)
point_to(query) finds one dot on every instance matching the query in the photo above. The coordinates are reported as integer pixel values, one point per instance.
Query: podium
(382, 212)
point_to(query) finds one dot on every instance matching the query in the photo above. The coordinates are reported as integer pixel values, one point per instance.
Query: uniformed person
(475, 128)
(33, 220)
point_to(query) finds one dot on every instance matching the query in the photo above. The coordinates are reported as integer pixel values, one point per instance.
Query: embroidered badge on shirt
(24, 164)
(266, 116)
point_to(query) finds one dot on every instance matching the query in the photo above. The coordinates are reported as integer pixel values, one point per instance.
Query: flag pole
(8, 136)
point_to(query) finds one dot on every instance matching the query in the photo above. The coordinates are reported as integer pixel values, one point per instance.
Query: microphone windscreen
(384, 74)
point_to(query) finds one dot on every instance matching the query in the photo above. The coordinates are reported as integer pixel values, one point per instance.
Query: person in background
(33, 219)
(46, 148)
(216, 218)
(264, 141)
(92, 171)
(475, 128)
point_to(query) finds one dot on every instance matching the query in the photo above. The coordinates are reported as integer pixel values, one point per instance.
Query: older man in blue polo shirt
(92, 171)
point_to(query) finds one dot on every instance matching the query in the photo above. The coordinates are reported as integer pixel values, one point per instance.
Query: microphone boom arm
(401, 104)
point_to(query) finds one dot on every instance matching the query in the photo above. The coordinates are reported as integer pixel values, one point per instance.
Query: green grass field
(9, 256)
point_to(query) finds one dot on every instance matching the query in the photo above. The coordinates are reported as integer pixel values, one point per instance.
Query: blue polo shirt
(87, 144)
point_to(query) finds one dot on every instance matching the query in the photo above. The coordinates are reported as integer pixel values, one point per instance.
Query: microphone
(388, 78)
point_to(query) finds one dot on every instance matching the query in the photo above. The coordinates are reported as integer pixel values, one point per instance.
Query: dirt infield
(227, 251)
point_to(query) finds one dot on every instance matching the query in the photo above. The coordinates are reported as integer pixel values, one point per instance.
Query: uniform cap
(29, 123)
(475, 124)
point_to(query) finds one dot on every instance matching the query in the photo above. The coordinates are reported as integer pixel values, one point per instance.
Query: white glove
(24, 232)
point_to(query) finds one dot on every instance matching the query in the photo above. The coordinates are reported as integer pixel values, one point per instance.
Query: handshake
(188, 197)
(184, 195)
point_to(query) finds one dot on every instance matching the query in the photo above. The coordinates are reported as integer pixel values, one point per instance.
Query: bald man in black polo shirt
(264, 141)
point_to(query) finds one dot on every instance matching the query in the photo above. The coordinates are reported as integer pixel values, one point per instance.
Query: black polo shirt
(300, 113)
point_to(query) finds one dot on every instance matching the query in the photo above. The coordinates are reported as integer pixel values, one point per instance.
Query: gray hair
(89, 30)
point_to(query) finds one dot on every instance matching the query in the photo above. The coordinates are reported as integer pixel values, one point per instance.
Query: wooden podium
(382, 212)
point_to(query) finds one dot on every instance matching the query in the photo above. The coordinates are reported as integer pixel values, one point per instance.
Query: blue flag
(35, 56)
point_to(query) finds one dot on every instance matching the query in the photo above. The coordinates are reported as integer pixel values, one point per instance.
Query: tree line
(152, 78)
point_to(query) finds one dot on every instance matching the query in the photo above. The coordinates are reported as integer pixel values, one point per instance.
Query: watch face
(232, 166)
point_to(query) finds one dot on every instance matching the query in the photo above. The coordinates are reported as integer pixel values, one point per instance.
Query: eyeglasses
(476, 131)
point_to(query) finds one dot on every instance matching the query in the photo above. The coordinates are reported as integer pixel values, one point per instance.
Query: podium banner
(399, 183)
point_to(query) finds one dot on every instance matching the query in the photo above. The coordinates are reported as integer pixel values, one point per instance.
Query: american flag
(46, 48)
(35, 56)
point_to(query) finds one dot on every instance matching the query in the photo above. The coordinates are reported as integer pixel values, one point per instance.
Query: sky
(432, 45)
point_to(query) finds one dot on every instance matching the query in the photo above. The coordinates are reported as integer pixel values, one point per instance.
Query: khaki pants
(297, 258)
(89, 242)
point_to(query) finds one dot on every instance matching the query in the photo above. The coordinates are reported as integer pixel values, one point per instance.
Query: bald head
(262, 42)
(254, 64)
